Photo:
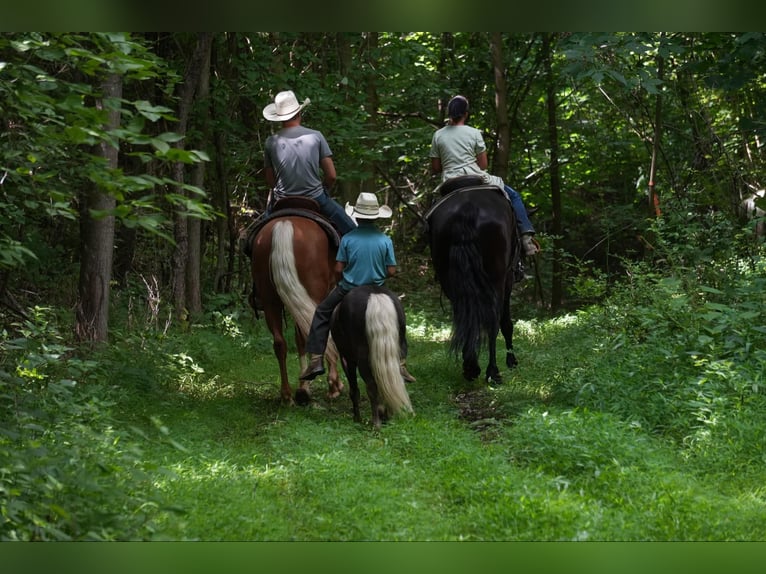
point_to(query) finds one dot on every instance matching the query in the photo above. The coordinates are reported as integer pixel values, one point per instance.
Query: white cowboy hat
(367, 207)
(285, 106)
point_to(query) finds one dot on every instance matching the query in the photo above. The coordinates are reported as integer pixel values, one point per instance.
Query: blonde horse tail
(284, 275)
(382, 329)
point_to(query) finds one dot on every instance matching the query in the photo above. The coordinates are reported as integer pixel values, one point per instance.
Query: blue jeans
(332, 210)
(522, 219)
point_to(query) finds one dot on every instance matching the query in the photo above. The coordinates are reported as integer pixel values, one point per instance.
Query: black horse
(368, 328)
(475, 247)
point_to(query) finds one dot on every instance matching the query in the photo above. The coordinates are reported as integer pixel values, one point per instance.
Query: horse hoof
(494, 380)
(302, 397)
(334, 390)
(510, 360)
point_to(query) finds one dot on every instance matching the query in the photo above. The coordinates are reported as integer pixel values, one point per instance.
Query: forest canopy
(159, 137)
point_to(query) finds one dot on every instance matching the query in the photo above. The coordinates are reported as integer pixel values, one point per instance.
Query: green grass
(643, 418)
(537, 458)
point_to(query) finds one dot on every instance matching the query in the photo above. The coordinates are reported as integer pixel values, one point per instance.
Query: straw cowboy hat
(367, 207)
(285, 106)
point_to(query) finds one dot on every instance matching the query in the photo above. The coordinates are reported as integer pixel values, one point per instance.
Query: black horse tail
(473, 296)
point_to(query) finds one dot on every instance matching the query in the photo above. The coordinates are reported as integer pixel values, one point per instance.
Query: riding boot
(314, 368)
(405, 373)
(530, 245)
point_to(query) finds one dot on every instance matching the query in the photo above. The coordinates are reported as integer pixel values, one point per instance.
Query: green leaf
(152, 113)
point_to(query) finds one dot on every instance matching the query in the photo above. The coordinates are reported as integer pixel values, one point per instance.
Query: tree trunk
(654, 200)
(193, 268)
(97, 236)
(371, 105)
(225, 227)
(501, 155)
(181, 227)
(557, 294)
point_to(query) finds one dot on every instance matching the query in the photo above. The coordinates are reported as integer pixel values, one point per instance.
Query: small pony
(368, 328)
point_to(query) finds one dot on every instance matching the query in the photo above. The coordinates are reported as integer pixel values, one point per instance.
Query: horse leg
(506, 327)
(303, 392)
(353, 384)
(493, 373)
(335, 385)
(378, 410)
(274, 322)
(471, 368)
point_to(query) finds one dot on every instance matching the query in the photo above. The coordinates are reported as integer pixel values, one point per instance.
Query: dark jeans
(316, 342)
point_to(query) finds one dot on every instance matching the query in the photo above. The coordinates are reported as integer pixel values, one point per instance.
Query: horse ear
(532, 210)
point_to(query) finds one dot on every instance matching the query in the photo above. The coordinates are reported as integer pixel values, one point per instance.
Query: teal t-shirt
(366, 252)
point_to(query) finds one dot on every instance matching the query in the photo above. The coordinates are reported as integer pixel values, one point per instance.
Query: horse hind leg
(353, 384)
(493, 376)
(334, 382)
(303, 392)
(378, 410)
(471, 368)
(506, 327)
(280, 351)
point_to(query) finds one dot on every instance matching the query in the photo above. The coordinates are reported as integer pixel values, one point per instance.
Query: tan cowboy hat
(367, 207)
(285, 106)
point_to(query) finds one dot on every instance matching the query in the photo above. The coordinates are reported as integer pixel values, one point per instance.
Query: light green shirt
(457, 147)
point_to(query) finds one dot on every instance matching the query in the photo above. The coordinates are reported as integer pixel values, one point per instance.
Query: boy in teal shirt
(365, 257)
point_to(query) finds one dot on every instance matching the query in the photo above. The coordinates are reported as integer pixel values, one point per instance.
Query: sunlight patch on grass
(429, 332)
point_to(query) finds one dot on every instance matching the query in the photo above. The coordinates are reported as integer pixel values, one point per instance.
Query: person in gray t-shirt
(298, 161)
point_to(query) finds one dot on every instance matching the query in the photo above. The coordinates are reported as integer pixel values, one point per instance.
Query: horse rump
(472, 239)
(378, 313)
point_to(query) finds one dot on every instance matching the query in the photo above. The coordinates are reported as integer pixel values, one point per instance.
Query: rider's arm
(271, 179)
(481, 160)
(328, 168)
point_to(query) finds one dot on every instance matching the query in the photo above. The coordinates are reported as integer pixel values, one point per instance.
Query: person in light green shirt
(458, 149)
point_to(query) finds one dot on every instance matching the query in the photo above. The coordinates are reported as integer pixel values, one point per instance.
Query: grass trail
(519, 462)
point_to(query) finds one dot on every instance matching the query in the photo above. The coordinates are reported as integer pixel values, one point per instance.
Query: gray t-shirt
(294, 154)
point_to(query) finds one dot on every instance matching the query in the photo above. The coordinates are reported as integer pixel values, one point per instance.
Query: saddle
(457, 185)
(299, 206)
(459, 182)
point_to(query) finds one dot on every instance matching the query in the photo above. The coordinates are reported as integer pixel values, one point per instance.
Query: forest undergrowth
(641, 416)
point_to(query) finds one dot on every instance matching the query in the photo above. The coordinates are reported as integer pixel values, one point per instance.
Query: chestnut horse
(368, 327)
(474, 248)
(292, 267)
